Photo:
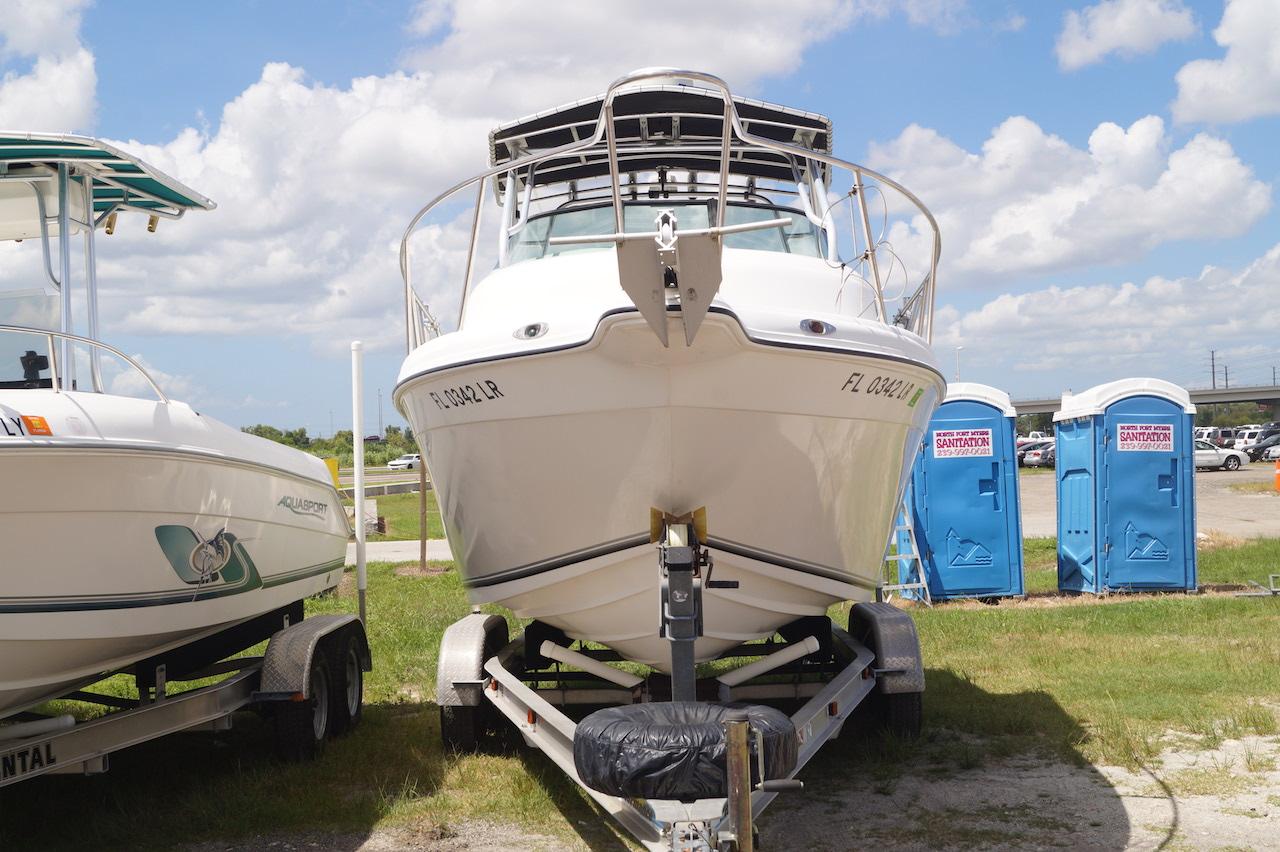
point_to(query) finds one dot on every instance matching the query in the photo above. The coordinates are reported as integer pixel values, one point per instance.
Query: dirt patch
(1225, 797)
(1216, 539)
(470, 836)
(433, 569)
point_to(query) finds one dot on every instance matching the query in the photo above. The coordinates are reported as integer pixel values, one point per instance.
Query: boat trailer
(487, 684)
(309, 681)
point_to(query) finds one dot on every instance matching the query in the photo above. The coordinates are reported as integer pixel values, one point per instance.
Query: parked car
(408, 461)
(1247, 437)
(1043, 456)
(1271, 453)
(1256, 451)
(1027, 447)
(1207, 455)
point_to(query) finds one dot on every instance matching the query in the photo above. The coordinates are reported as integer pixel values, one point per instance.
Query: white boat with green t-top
(129, 522)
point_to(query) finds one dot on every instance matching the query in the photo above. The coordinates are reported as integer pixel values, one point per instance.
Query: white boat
(130, 524)
(688, 317)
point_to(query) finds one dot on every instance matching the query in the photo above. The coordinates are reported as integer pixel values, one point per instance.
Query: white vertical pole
(64, 272)
(357, 441)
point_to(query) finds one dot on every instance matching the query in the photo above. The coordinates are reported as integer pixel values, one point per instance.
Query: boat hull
(113, 554)
(546, 467)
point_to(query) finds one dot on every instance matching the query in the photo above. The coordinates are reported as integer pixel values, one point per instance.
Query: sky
(1104, 172)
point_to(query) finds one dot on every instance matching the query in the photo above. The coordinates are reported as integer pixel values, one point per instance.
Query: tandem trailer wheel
(346, 661)
(468, 720)
(903, 714)
(303, 726)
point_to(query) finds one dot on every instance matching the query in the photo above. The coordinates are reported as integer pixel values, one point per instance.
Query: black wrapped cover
(674, 750)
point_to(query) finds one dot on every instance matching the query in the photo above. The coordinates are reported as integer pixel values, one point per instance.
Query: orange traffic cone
(1278, 474)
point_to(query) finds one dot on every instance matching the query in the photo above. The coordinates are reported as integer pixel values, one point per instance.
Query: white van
(1247, 437)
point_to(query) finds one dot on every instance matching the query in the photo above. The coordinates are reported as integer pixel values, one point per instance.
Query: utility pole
(1273, 375)
(1226, 376)
(1213, 370)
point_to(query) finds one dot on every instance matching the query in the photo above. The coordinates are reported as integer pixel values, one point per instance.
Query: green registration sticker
(915, 398)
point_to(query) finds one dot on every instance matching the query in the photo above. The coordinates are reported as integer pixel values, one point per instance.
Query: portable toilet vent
(965, 497)
(1126, 489)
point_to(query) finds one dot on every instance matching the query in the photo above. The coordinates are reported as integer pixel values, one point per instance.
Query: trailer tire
(346, 662)
(303, 726)
(903, 714)
(675, 750)
(460, 728)
(468, 720)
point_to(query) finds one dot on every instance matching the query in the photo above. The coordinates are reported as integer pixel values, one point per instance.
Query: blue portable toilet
(1126, 488)
(964, 497)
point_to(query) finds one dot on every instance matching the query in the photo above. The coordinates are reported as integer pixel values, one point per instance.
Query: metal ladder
(903, 548)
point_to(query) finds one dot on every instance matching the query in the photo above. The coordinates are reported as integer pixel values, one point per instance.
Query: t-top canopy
(119, 180)
(661, 126)
(1098, 398)
(994, 397)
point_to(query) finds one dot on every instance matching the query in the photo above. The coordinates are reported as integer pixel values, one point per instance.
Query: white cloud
(1031, 202)
(57, 92)
(506, 57)
(1245, 83)
(314, 183)
(1160, 328)
(39, 27)
(121, 379)
(1124, 27)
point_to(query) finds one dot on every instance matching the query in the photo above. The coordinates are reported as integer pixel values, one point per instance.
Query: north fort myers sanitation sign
(1144, 437)
(958, 443)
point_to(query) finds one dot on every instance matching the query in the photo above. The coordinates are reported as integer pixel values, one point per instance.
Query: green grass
(1040, 565)
(1083, 681)
(1103, 680)
(1253, 560)
(401, 512)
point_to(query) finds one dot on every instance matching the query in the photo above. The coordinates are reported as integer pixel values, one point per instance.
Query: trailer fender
(286, 667)
(891, 634)
(463, 650)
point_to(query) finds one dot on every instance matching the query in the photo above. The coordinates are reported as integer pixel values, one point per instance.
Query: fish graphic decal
(219, 560)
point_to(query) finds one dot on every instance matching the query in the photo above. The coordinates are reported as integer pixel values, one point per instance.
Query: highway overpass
(1199, 396)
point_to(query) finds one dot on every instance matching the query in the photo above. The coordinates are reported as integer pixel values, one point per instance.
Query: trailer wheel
(903, 714)
(459, 728)
(303, 726)
(891, 635)
(348, 688)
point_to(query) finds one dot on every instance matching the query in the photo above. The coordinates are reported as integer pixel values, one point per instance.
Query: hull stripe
(104, 602)
(617, 545)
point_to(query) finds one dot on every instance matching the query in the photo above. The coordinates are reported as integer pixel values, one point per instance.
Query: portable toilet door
(1141, 436)
(1075, 469)
(965, 496)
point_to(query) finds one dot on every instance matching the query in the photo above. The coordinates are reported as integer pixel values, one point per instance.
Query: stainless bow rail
(735, 143)
(59, 367)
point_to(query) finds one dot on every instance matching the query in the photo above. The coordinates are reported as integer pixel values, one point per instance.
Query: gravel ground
(1218, 508)
(1224, 798)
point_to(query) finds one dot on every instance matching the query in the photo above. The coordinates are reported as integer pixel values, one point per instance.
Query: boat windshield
(801, 237)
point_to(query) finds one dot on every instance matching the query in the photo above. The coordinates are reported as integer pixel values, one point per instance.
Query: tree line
(341, 446)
